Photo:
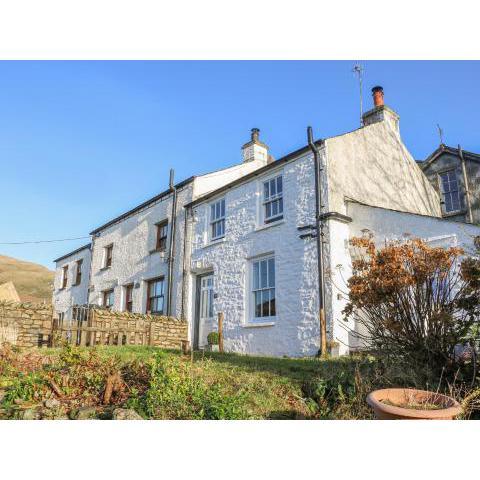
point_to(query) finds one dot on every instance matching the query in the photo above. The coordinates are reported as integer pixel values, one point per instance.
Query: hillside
(32, 281)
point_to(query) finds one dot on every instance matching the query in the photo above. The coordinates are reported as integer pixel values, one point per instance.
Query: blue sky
(81, 142)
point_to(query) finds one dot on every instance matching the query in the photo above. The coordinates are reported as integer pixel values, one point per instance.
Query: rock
(85, 413)
(126, 414)
(31, 414)
(51, 403)
(60, 417)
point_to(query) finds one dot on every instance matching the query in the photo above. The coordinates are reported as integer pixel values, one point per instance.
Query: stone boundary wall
(22, 323)
(25, 324)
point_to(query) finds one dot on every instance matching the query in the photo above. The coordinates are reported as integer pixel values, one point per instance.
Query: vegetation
(92, 382)
(212, 338)
(33, 282)
(415, 303)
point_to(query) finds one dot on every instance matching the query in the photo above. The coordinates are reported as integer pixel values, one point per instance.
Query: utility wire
(43, 241)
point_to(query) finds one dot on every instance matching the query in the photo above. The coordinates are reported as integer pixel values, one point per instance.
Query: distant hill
(32, 281)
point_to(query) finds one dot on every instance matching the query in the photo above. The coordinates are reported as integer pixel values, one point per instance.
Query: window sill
(157, 250)
(105, 268)
(269, 225)
(453, 214)
(211, 243)
(253, 324)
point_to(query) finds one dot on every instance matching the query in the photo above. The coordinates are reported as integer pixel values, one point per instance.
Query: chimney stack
(380, 112)
(255, 150)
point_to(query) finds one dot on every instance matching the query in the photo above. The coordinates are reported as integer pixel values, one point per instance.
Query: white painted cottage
(242, 245)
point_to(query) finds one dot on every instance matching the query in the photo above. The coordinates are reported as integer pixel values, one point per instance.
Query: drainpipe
(171, 248)
(319, 236)
(467, 189)
(184, 269)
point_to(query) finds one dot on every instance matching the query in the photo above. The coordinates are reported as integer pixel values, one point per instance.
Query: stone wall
(25, 325)
(22, 323)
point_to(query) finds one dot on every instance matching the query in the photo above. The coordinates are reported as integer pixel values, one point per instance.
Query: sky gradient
(82, 142)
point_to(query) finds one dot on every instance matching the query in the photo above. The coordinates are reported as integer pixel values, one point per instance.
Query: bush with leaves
(414, 302)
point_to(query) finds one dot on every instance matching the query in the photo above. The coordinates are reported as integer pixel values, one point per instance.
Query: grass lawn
(162, 384)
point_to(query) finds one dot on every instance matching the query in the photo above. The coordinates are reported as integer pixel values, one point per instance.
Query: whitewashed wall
(133, 240)
(63, 299)
(134, 259)
(294, 331)
(384, 224)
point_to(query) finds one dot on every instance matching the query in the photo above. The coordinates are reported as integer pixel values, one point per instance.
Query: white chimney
(255, 149)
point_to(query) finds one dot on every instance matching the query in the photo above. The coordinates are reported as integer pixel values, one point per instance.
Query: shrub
(212, 338)
(414, 302)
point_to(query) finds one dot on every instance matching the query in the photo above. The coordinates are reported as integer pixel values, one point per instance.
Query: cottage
(243, 241)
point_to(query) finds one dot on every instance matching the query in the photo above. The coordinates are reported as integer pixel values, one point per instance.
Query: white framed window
(273, 199)
(217, 219)
(450, 191)
(263, 288)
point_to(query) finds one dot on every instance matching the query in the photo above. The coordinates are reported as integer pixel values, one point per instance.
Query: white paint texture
(63, 299)
(295, 330)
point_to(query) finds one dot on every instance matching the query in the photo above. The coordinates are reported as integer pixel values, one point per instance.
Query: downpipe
(319, 226)
(171, 247)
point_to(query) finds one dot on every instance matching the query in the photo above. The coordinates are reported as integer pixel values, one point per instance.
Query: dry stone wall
(30, 325)
(22, 324)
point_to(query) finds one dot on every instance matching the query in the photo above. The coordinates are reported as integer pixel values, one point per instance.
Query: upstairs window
(162, 233)
(108, 299)
(156, 296)
(273, 199)
(64, 276)
(217, 219)
(129, 298)
(264, 288)
(450, 191)
(78, 273)
(108, 256)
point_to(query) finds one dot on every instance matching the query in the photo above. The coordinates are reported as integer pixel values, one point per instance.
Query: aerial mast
(358, 71)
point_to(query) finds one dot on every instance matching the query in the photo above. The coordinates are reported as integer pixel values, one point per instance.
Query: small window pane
(271, 272)
(263, 274)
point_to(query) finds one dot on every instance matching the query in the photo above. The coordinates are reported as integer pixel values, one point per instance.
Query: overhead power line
(43, 241)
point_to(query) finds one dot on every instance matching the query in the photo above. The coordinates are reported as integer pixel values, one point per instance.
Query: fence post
(220, 332)
(151, 339)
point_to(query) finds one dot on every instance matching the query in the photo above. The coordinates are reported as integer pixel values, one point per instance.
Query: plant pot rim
(452, 409)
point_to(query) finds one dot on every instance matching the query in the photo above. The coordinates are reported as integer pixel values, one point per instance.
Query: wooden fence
(85, 336)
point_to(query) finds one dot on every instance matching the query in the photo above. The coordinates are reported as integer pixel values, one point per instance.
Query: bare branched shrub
(414, 302)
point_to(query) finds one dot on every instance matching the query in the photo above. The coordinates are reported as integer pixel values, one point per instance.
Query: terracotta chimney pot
(377, 93)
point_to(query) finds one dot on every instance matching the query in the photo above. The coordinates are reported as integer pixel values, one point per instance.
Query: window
(108, 256)
(450, 191)
(78, 273)
(129, 298)
(64, 276)
(264, 287)
(108, 298)
(162, 232)
(217, 219)
(273, 199)
(155, 297)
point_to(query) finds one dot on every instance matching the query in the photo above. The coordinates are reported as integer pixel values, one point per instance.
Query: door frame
(196, 317)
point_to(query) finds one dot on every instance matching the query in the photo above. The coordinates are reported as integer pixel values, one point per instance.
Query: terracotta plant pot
(397, 397)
